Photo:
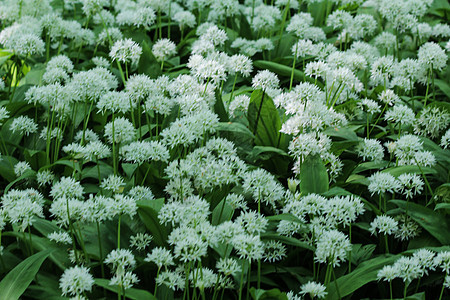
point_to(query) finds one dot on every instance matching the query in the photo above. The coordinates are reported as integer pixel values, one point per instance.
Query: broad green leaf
(442, 206)
(219, 108)
(436, 224)
(283, 70)
(287, 240)
(397, 171)
(443, 86)
(131, 293)
(19, 278)
(147, 63)
(27, 174)
(148, 212)
(221, 213)
(264, 119)
(273, 294)
(259, 151)
(366, 272)
(235, 127)
(313, 176)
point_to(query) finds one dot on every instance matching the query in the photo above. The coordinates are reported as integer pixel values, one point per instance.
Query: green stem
(100, 251)
(242, 280)
(293, 67)
(118, 231)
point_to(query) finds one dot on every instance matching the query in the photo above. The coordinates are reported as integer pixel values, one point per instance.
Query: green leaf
(443, 86)
(287, 240)
(264, 119)
(264, 153)
(19, 278)
(235, 127)
(397, 171)
(148, 212)
(219, 108)
(27, 174)
(436, 224)
(269, 294)
(366, 272)
(313, 176)
(131, 293)
(222, 212)
(283, 70)
(147, 63)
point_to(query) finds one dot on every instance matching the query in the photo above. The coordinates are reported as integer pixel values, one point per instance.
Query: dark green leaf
(313, 176)
(131, 293)
(19, 278)
(436, 224)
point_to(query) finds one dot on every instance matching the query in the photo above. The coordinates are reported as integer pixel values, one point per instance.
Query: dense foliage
(224, 149)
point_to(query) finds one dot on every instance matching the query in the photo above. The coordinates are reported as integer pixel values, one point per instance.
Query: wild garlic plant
(224, 149)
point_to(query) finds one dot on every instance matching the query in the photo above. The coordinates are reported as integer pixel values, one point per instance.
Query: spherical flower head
(21, 167)
(67, 187)
(160, 257)
(228, 266)
(265, 80)
(23, 125)
(369, 106)
(332, 247)
(442, 261)
(120, 259)
(164, 49)
(140, 241)
(190, 248)
(431, 121)
(126, 51)
(370, 149)
(94, 151)
(252, 222)
(185, 19)
(401, 114)
(314, 289)
(274, 251)
(141, 193)
(124, 131)
(387, 273)
(215, 35)
(44, 177)
(249, 247)
(411, 184)
(113, 183)
(384, 224)
(115, 102)
(445, 140)
(432, 56)
(75, 281)
(124, 280)
(60, 237)
(4, 113)
(61, 62)
(383, 182)
(239, 63)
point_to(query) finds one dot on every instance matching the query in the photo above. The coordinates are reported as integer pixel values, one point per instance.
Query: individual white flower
(23, 125)
(314, 289)
(160, 257)
(60, 237)
(124, 280)
(274, 251)
(387, 273)
(21, 167)
(384, 224)
(67, 187)
(124, 131)
(265, 80)
(164, 49)
(44, 177)
(332, 247)
(432, 55)
(126, 51)
(140, 241)
(228, 266)
(75, 281)
(383, 182)
(411, 184)
(248, 247)
(120, 259)
(185, 19)
(370, 149)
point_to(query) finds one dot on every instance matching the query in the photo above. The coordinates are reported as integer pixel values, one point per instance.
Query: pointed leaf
(19, 278)
(313, 176)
